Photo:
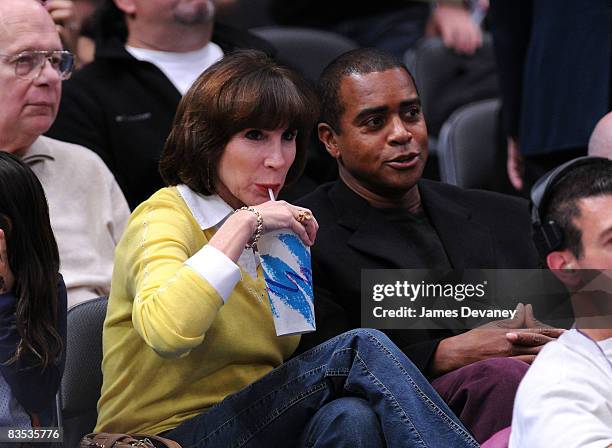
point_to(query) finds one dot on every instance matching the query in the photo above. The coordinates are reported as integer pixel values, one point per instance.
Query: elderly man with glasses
(88, 210)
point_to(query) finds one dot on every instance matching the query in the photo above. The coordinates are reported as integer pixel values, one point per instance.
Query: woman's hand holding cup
(240, 228)
(282, 215)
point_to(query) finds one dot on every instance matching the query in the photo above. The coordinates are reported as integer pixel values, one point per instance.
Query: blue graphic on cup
(288, 275)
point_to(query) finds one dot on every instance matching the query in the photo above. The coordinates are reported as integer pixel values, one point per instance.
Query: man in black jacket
(122, 104)
(380, 214)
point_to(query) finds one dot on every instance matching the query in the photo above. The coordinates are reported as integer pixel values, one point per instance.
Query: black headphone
(548, 235)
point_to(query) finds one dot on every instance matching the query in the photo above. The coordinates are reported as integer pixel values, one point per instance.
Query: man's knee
(499, 375)
(505, 372)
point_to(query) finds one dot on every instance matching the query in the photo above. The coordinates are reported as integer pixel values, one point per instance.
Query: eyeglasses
(30, 64)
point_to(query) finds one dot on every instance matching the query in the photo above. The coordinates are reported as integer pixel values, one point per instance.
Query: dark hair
(355, 62)
(34, 260)
(584, 181)
(246, 89)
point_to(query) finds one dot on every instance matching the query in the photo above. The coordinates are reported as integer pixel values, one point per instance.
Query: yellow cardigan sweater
(171, 348)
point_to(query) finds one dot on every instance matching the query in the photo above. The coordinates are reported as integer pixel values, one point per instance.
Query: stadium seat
(306, 50)
(82, 380)
(469, 147)
(244, 14)
(447, 80)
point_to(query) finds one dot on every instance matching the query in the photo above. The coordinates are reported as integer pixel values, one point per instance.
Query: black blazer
(478, 229)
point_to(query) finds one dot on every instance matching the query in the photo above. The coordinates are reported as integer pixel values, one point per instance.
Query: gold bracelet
(252, 243)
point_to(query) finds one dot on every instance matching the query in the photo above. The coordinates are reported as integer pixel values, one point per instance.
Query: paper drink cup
(285, 260)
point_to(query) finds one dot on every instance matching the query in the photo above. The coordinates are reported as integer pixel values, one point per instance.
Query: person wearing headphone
(565, 399)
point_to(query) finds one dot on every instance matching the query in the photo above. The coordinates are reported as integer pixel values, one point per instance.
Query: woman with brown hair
(190, 349)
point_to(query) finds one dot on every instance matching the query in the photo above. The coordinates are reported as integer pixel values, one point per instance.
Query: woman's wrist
(234, 234)
(259, 226)
(245, 220)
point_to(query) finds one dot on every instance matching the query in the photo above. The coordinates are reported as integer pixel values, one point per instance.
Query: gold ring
(303, 215)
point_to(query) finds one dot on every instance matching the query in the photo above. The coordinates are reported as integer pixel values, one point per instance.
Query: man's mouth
(405, 161)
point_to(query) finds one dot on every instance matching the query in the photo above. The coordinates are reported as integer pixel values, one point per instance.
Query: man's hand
(455, 25)
(537, 335)
(515, 164)
(521, 337)
(62, 13)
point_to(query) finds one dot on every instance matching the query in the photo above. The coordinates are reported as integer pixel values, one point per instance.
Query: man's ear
(127, 6)
(559, 259)
(328, 137)
(562, 263)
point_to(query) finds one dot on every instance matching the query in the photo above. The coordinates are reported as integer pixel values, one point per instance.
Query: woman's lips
(264, 188)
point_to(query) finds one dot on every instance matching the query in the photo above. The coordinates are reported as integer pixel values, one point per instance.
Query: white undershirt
(182, 69)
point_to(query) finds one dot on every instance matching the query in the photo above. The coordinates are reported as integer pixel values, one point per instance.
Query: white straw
(271, 194)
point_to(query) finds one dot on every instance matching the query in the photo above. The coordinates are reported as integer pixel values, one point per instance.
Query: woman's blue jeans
(276, 410)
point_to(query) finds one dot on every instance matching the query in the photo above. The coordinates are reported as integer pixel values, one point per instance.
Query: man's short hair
(246, 89)
(585, 181)
(355, 62)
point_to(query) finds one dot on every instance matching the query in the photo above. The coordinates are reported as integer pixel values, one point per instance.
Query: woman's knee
(368, 335)
(350, 408)
(344, 422)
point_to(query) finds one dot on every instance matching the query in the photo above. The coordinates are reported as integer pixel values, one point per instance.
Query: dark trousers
(482, 394)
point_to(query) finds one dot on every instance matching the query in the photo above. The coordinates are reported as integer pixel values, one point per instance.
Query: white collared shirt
(209, 262)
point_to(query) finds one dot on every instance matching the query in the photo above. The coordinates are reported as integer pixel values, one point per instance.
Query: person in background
(553, 56)
(565, 398)
(188, 296)
(391, 25)
(63, 14)
(32, 301)
(74, 21)
(88, 211)
(122, 104)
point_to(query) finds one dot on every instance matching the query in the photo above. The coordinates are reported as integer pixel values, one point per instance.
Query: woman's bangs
(272, 103)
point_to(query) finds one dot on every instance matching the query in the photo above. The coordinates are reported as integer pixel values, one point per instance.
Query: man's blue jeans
(275, 410)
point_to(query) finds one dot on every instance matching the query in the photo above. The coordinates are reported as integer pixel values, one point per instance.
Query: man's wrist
(442, 360)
